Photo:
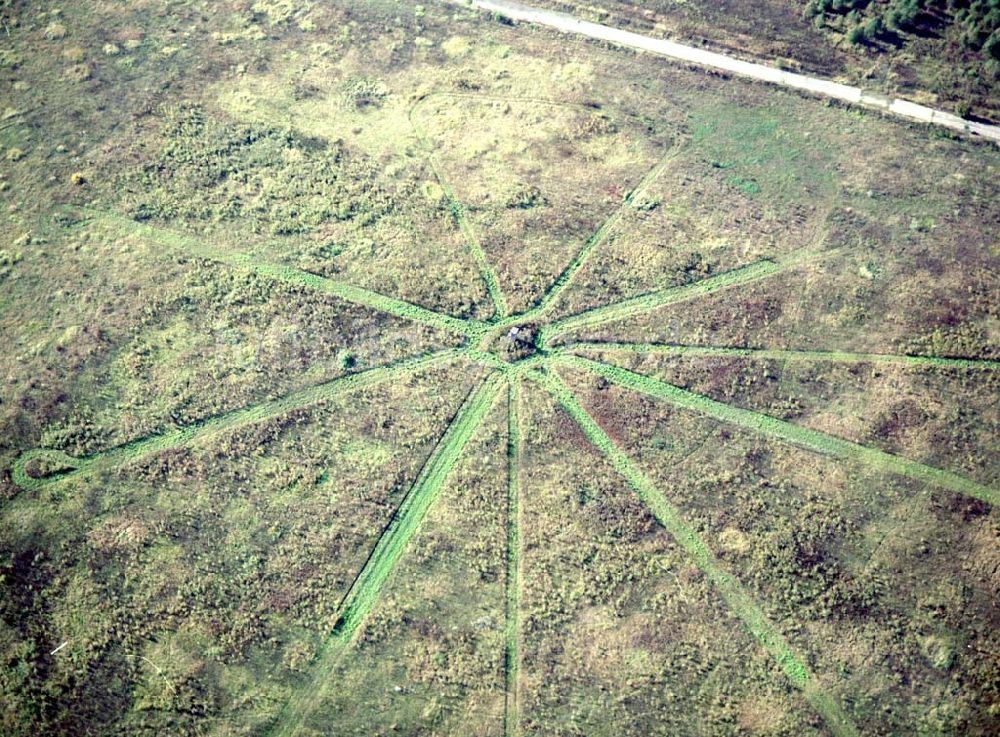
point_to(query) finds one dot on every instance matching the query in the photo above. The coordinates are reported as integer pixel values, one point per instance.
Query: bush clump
(976, 23)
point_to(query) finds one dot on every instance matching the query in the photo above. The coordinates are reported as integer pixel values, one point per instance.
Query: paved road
(854, 95)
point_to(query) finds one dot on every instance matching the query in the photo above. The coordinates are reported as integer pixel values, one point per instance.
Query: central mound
(517, 343)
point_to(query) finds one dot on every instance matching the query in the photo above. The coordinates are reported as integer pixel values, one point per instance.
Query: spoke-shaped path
(783, 354)
(538, 362)
(69, 467)
(405, 521)
(512, 613)
(735, 595)
(813, 440)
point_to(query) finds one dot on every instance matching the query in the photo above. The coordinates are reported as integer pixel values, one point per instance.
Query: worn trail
(407, 518)
(813, 440)
(671, 295)
(756, 622)
(512, 628)
(364, 591)
(785, 355)
(486, 271)
(288, 274)
(192, 434)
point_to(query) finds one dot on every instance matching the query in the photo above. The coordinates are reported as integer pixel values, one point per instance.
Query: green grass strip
(191, 434)
(813, 440)
(786, 355)
(493, 361)
(659, 298)
(486, 358)
(289, 274)
(598, 237)
(486, 272)
(756, 622)
(671, 295)
(363, 592)
(512, 628)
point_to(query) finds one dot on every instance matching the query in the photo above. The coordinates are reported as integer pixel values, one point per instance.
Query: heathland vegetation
(377, 368)
(945, 53)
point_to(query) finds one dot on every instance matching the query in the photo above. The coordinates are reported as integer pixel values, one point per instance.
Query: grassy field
(376, 368)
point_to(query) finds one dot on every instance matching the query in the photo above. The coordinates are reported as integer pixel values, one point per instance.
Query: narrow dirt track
(854, 95)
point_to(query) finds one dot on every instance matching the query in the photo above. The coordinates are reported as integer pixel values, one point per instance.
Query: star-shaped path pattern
(539, 339)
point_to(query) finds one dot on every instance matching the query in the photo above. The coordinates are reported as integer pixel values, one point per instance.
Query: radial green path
(671, 295)
(567, 274)
(599, 236)
(785, 355)
(289, 274)
(407, 518)
(365, 589)
(756, 622)
(512, 630)
(191, 434)
(813, 440)
(458, 212)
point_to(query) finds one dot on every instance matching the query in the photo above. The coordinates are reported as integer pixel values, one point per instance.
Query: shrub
(903, 13)
(992, 45)
(874, 28)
